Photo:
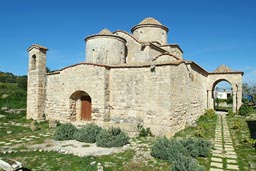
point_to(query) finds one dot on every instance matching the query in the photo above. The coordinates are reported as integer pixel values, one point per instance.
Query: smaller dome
(150, 20)
(223, 69)
(105, 32)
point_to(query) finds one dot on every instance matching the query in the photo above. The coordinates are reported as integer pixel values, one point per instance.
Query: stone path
(25, 139)
(5, 145)
(224, 156)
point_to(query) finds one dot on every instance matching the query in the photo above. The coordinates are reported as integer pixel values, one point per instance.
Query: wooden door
(86, 110)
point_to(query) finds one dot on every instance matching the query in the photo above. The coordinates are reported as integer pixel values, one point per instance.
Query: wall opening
(222, 95)
(81, 106)
(33, 62)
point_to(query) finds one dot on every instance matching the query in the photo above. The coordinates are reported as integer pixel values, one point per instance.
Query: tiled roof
(223, 69)
(37, 47)
(105, 32)
(150, 20)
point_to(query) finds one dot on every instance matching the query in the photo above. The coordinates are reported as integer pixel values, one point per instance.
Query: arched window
(33, 62)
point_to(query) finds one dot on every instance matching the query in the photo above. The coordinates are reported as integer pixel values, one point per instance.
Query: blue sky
(210, 32)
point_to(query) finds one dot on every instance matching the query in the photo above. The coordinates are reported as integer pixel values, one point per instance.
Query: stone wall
(151, 34)
(166, 100)
(99, 50)
(83, 77)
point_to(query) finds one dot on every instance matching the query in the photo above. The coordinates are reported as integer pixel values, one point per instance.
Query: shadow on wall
(252, 128)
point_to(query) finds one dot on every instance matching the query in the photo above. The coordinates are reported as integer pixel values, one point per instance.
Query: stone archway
(80, 105)
(225, 92)
(234, 78)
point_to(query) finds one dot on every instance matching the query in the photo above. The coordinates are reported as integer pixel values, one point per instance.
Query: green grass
(15, 126)
(205, 128)
(65, 162)
(52, 161)
(240, 132)
(16, 97)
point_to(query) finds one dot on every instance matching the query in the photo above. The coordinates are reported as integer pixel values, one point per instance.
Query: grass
(20, 128)
(52, 161)
(240, 133)
(15, 126)
(16, 97)
(204, 128)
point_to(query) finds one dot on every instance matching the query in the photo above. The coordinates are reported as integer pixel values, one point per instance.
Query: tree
(22, 82)
(48, 69)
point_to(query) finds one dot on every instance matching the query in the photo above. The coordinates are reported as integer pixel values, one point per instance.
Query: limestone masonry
(126, 80)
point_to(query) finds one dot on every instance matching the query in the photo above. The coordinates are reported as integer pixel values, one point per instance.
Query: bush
(65, 132)
(184, 163)
(87, 133)
(166, 149)
(210, 113)
(231, 113)
(176, 148)
(236, 124)
(113, 137)
(190, 145)
(144, 132)
(160, 148)
(181, 152)
(245, 110)
(197, 147)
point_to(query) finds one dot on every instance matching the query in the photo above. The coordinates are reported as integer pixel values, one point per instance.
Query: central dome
(150, 30)
(150, 20)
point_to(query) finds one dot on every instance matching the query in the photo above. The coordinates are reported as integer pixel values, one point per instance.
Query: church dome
(223, 69)
(105, 32)
(150, 30)
(150, 20)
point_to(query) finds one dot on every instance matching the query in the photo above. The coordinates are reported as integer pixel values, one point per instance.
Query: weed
(144, 132)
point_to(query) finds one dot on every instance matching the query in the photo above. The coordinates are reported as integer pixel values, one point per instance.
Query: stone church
(127, 79)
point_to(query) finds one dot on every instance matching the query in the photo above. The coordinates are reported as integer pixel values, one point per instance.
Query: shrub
(236, 124)
(160, 148)
(231, 113)
(87, 133)
(190, 145)
(245, 110)
(144, 132)
(65, 132)
(166, 149)
(197, 147)
(176, 148)
(204, 147)
(210, 113)
(184, 163)
(113, 137)
(200, 132)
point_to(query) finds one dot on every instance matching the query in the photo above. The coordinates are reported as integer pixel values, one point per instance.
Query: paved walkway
(223, 156)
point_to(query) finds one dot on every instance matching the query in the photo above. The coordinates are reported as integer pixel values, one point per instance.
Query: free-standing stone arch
(80, 105)
(224, 73)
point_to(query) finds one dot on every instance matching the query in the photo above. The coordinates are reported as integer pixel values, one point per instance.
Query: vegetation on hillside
(13, 90)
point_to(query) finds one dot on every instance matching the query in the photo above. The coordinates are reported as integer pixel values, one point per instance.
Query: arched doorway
(81, 106)
(223, 95)
(234, 78)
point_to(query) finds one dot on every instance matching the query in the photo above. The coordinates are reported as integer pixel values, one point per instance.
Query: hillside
(13, 91)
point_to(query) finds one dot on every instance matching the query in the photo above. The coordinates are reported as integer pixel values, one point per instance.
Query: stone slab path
(224, 157)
